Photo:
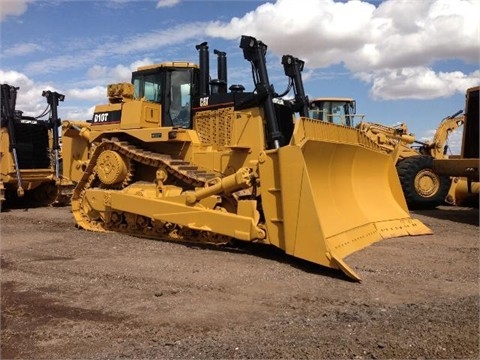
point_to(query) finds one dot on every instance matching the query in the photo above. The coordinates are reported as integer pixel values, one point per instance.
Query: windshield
(337, 112)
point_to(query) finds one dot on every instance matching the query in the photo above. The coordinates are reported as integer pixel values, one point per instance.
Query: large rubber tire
(422, 187)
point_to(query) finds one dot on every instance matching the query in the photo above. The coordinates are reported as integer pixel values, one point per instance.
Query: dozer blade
(330, 193)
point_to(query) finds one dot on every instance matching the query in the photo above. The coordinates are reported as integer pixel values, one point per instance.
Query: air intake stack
(204, 69)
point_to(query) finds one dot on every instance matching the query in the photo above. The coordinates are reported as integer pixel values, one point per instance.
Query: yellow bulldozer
(30, 154)
(176, 155)
(423, 187)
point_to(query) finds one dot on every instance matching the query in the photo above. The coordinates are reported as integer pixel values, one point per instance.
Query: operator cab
(340, 111)
(172, 85)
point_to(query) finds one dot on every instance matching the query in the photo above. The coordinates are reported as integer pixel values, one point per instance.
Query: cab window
(180, 97)
(150, 89)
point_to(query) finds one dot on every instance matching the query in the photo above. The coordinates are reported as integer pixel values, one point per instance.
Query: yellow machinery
(464, 169)
(30, 170)
(422, 186)
(174, 155)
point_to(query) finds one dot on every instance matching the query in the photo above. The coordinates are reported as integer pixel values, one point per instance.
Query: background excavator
(176, 155)
(30, 154)
(423, 187)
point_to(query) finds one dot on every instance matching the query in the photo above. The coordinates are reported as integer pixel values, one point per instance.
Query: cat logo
(33, 122)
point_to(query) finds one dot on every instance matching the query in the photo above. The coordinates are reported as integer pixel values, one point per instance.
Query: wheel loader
(464, 168)
(176, 155)
(423, 187)
(30, 155)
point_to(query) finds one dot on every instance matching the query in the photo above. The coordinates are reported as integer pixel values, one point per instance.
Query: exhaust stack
(204, 69)
(221, 82)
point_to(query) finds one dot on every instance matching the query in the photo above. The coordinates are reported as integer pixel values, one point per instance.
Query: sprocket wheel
(113, 169)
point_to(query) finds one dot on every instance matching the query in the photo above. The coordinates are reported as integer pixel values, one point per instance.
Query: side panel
(228, 139)
(131, 114)
(75, 152)
(138, 114)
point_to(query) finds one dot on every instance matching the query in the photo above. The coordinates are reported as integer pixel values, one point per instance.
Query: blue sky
(402, 60)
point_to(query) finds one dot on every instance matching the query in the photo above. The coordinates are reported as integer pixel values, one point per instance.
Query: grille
(32, 146)
(214, 127)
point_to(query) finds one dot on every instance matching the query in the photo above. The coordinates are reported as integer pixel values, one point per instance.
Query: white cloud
(119, 73)
(102, 74)
(405, 32)
(393, 46)
(167, 3)
(77, 113)
(95, 93)
(29, 95)
(132, 45)
(12, 8)
(32, 103)
(16, 79)
(22, 49)
(398, 41)
(418, 83)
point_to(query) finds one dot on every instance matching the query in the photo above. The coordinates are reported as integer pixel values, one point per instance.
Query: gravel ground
(70, 294)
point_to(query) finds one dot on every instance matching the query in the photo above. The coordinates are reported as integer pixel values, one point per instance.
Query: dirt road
(67, 293)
